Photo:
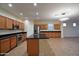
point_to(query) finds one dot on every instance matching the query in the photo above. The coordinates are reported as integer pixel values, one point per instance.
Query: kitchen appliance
(19, 38)
(36, 30)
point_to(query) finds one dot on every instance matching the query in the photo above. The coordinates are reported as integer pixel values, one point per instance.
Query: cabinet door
(8, 23)
(57, 26)
(14, 22)
(2, 22)
(19, 25)
(22, 26)
(13, 41)
(5, 45)
(43, 26)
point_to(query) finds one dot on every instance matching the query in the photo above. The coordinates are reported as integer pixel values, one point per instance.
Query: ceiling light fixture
(37, 13)
(21, 13)
(35, 4)
(10, 5)
(64, 19)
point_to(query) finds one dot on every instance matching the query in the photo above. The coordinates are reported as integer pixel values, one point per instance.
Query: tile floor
(51, 47)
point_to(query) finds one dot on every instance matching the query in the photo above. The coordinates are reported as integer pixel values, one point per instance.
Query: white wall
(71, 31)
(29, 27)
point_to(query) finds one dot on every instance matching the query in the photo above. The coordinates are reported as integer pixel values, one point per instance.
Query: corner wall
(29, 27)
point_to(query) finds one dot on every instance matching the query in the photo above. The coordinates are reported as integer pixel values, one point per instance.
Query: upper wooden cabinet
(21, 26)
(14, 22)
(57, 26)
(8, 23)
(2, 22)
(42, 26)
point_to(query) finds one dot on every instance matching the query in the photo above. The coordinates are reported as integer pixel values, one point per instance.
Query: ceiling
(46, 10)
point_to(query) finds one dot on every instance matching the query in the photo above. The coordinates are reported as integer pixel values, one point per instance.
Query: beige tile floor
(51, 47)
(20, 50)
(65, 47)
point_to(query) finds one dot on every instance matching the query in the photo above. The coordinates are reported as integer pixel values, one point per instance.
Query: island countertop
(37, 36)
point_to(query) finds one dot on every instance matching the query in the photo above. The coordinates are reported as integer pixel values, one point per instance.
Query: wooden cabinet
(57, 26)
(14, 22)
(33, 47)
(5, 45)
(2, 22)
(12, 41)
(8, 23)
(52, 34)
(21, 26)
(42, 26)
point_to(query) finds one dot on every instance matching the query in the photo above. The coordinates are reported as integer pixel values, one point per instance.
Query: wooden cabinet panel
(13, 41)
(57, 26)
(54, 34)
(8, 23)
(14, 22)
(5, 45)
(43, 26)
(0, 46)
(2, 22)
(21, 26)
(33, 47)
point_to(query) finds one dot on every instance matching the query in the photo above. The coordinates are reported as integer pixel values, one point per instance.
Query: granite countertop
(49, 30)
(40, 36)
(7, 34)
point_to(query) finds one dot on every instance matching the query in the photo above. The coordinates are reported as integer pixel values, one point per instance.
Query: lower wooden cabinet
(5, 45)
(33, 47)
(12, 42)
(52, 34)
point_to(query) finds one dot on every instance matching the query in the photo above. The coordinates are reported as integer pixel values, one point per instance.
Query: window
(50, 27)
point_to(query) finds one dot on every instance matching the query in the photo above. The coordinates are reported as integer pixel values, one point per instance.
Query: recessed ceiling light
(35, 4)
(21, 13)
(37, 13)
(10, 5)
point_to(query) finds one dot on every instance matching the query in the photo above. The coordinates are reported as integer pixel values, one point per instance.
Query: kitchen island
(33, 44)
